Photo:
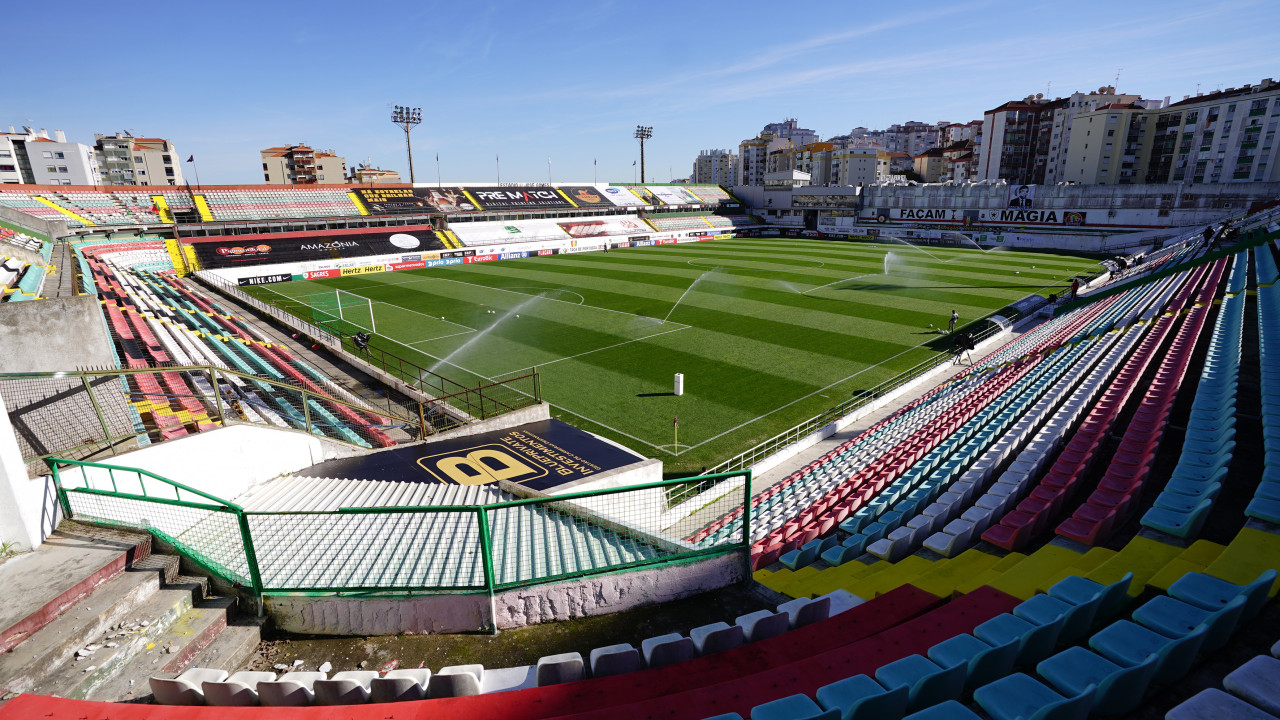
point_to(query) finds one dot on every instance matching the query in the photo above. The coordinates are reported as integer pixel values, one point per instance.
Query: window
(60, 156)
(5, 153)
(137, 158)
(167, 159)
(1110, 133)
(8, 168)
(62, 169)
(48, 153)
(50, 169)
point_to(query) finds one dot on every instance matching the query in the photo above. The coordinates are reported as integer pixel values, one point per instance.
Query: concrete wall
(29, 508)
(48, 228)
(53, 335)
(452, 613)
(227, 461)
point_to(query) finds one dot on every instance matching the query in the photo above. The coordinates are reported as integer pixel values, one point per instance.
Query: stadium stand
(158, 320)
(679, 222)
(278, 203)
(19, 239)
(898, 611)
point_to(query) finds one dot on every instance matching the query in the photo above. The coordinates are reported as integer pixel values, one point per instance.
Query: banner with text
(516, 198)
(236, 250)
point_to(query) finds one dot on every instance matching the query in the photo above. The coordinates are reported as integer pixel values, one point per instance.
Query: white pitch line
(441, 337)
(806, 397)
(513, 292)
(856, 277)
(609, 427)
(581, 300)
(607, 347)
(433, 317)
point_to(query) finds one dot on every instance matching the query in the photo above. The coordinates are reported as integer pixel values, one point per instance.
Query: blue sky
(570, 81)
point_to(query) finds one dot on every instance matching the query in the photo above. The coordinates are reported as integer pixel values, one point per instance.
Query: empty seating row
(157, 321)
(1038, 502)
(1110, 676)
(1252, 692)
(1265, 504)
(255, 204)
(679, 222)
(1113, 500)
(907, 538)
(198, 686)
(1183, 504)
(19, 239)
(811, 484)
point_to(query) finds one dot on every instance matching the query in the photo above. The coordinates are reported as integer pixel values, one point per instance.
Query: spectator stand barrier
(485, 548)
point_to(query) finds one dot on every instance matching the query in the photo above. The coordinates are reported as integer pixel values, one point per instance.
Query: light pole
(407, 118)
(643, 132)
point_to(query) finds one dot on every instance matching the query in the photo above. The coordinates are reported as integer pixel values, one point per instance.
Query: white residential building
(127, 160)
(716, 167)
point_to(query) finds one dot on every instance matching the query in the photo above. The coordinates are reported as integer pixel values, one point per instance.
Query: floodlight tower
(407, 118)
(643, 132)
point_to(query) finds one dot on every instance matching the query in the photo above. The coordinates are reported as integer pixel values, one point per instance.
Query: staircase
(100, 627)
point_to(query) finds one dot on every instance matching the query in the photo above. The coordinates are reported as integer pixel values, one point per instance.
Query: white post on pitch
(679, 384)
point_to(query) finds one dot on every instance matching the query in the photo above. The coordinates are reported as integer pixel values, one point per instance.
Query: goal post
(356, 310)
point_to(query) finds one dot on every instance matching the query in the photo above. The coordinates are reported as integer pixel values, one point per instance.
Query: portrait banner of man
(1020, 196)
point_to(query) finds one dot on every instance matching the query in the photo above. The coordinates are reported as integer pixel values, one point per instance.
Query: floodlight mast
(643, 132)
(407, 118)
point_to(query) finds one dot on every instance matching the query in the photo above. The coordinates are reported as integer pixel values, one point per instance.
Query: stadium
(954, 451)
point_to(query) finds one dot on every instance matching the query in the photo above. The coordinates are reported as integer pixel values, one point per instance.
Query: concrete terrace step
(37, 587)
(233, 648)
(79, 677)
(117, 601)
(168, 653)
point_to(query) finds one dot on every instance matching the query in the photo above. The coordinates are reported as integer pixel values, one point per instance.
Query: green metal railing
(434, 548)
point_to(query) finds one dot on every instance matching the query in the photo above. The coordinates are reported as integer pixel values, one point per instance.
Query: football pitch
(767, 332)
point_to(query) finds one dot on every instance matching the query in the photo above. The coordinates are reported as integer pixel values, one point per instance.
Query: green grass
(768, 332)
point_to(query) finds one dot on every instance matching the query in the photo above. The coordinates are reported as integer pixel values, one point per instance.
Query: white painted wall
(224, 462)
(28, 506)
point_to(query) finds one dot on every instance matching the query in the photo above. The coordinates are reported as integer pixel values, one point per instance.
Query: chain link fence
(514, 543)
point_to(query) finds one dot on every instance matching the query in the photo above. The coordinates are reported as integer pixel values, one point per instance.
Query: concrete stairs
(147, 620)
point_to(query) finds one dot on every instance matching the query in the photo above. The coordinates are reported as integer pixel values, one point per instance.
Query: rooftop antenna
(1117, 83)
(1048, 88)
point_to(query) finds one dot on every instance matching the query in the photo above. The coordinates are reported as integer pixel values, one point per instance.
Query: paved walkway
(73, 559)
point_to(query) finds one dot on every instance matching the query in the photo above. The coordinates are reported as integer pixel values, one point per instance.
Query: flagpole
(439, 183)
(192, 159)
(548, 171)
(498, 164)
(595, 172)
(676, 423)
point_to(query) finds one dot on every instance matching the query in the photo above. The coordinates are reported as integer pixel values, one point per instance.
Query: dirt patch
(512, 647)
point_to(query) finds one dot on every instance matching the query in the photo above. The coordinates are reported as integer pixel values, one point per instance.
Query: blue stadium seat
(1120, 688)
(861, 698)
(1022, 697)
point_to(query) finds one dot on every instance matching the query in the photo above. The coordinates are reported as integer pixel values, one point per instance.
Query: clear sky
(525, 81)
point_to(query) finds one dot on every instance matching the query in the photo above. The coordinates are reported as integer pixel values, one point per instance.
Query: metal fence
(771, 446)
(93, 413)
(515, 543)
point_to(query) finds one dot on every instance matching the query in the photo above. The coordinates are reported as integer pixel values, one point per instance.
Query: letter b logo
(479, 466)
